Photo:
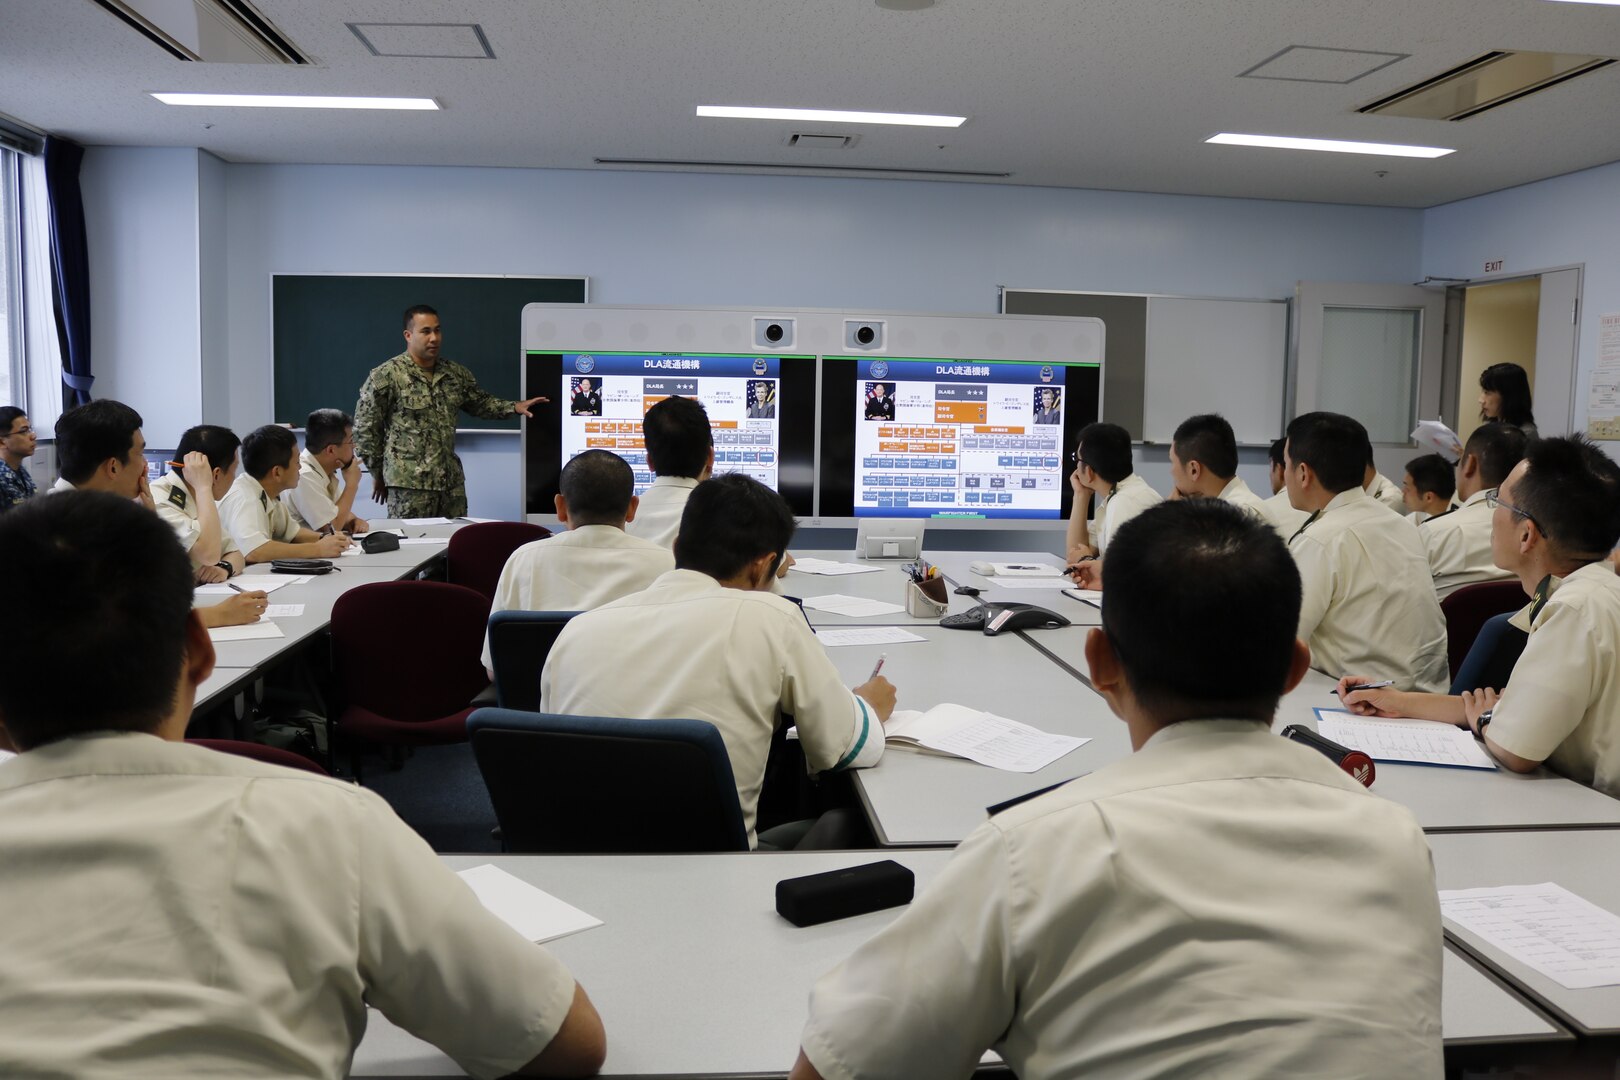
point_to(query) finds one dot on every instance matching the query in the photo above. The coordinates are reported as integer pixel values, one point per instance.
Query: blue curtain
(70, 266)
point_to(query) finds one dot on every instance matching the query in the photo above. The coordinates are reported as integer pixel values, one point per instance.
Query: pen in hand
(234, 587)
(878, 667)
(1386, 684)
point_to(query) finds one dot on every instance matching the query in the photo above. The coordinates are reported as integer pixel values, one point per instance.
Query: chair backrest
(1490, 662)
(409, 650)
(477, 552)
(603, 784)
(519, 642)
(1467, 609)
(274, 755)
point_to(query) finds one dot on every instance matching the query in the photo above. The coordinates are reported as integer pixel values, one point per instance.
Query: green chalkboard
(330, 330)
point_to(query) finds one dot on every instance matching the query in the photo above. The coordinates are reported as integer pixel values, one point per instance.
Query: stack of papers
(1414, 742)
(853, 606)
(1438, 437)
(1033, 582)
(831, 568)
(958, 731)
(247, 632)
(1004, 569)
(860, 635)
(532, 912)
(282, 611)
(1568, 939)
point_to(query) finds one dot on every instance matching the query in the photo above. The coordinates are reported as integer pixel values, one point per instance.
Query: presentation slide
(955, 438)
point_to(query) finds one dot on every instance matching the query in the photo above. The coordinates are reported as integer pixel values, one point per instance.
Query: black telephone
(996, 618)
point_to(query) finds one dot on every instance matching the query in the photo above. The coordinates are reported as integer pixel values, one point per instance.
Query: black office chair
(591, 784)
(519, 642)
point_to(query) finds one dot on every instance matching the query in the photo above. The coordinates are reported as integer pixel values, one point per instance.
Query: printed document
(1415, 742)
(853, 606)
(861, 635)
(958, 731)
(1565, 937)
(831, 568)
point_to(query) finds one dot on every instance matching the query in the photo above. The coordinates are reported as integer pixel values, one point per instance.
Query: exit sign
(1493, 266)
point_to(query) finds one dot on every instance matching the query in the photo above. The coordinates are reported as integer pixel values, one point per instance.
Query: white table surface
(887, 584)
(921, 799)
(318, 595)
(955, 565)
(1584, 861)
(695, 974)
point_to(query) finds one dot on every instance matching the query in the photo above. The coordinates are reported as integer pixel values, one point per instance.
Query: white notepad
(958, 731)
(1412, 742)
(1086, 596)
(853, 606)
(1005, 569)
(283, 611)
(1565, 937)
(1048, 583)
(532, 912)
(862, 635)
(266, 583)
(246, 632)
(831, 568)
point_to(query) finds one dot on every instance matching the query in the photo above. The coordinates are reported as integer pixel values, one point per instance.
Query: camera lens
(773, 332)
(865, 335)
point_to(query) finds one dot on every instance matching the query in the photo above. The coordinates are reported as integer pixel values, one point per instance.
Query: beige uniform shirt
(687, 648)
(177, 506)
(1459, 546)
(658, 518)
(1223, 903)
(1562, 705)
(1130, 497)
(314, 501)
(1239, 494)
(1283, 515)
(1369, 606)
(191, 913)
(253, 518)
(577, 570)
(1384, 490)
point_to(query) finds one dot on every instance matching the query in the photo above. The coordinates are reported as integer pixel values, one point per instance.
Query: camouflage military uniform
(405, 424)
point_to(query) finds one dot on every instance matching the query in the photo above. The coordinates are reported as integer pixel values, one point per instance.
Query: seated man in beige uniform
(709, 641)
(187, 499)
(1429, 488)
(193, 913)
(1182, 912)
(680, 453)
(1380, 487)
(1459, 543)
(595, 560)
(1553, 523)
(1278, 508)
(1103, 469)
(258, 521)
(100, 447)
(318, 502)
(1369, 603)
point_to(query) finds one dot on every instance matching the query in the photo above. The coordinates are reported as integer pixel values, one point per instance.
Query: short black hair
(1107, 449)
(1499, 446)
(326, 427)
(1208, 440)
(1276, 452)
(1208, 564)
(1511, 381)
(8, 416)
(265, 448)
(219, 443)
(730, 521)
(1572, 490)
(1433, 475)
(89, 434)
(109, 592)
(418, 309)
(676, 432)
(597, 485)
(1333, 445)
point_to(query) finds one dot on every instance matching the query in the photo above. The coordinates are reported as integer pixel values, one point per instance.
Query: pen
(234, 587)
(1386, 684)
(877, 667)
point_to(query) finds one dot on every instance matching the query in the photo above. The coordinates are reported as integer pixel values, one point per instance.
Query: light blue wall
(713, 240)
(1568, 220)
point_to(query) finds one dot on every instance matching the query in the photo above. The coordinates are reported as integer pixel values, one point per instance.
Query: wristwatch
(230, 571)
(1482, 723)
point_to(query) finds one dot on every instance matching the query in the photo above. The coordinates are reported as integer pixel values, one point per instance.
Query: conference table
(885, 581)
(695, 975)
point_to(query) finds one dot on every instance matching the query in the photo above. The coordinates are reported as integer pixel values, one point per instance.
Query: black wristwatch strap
(1483, 722)
(230, 571)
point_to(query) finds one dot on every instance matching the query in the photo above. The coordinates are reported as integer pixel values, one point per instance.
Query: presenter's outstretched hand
(522, 407)
(879, 693)
(379, 490)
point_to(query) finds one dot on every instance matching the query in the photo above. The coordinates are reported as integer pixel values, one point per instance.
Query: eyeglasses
(1493, 500)
(19, 431)
(1075, 459)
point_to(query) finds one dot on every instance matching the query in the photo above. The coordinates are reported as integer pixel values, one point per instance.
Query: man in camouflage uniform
(405, 423)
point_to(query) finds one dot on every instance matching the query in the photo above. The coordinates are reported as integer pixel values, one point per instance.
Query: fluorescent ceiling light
(830, 116)
(1337, 146)
(1609, 2)
(296, 101)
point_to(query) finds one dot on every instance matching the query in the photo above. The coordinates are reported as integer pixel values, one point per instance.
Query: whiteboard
(1224, 356)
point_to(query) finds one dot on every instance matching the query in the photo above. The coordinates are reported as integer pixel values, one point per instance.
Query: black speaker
(838, 894)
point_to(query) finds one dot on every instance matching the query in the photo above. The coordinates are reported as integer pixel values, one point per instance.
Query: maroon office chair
(273, 755)
(478, 552)
(1467, 609)
(407, 658)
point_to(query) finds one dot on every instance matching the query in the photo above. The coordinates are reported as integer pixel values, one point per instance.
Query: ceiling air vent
(208, 31)
(1485, 82)
(820, 142)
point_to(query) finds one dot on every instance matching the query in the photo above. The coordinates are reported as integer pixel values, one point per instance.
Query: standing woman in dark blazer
(1504, 394)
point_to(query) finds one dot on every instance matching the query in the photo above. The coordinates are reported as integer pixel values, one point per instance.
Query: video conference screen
(951, 438)
(761, 411)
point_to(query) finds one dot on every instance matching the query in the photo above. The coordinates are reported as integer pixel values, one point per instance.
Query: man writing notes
(1180, 912)
(193, 913)
(316, 502)
(405, 423)
(710, 642)
(253, 513)
(1369, 602)
(1459, 543)
(594, 561)
(1554, 521)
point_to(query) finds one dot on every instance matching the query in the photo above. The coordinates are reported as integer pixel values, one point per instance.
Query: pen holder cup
(927, 599)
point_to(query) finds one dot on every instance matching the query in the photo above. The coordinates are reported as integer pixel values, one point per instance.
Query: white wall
(713, 240)
(140, 209)
(1552, 223)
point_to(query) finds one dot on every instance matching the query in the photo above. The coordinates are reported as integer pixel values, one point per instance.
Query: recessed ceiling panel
(1310, 63)
(435, 41)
